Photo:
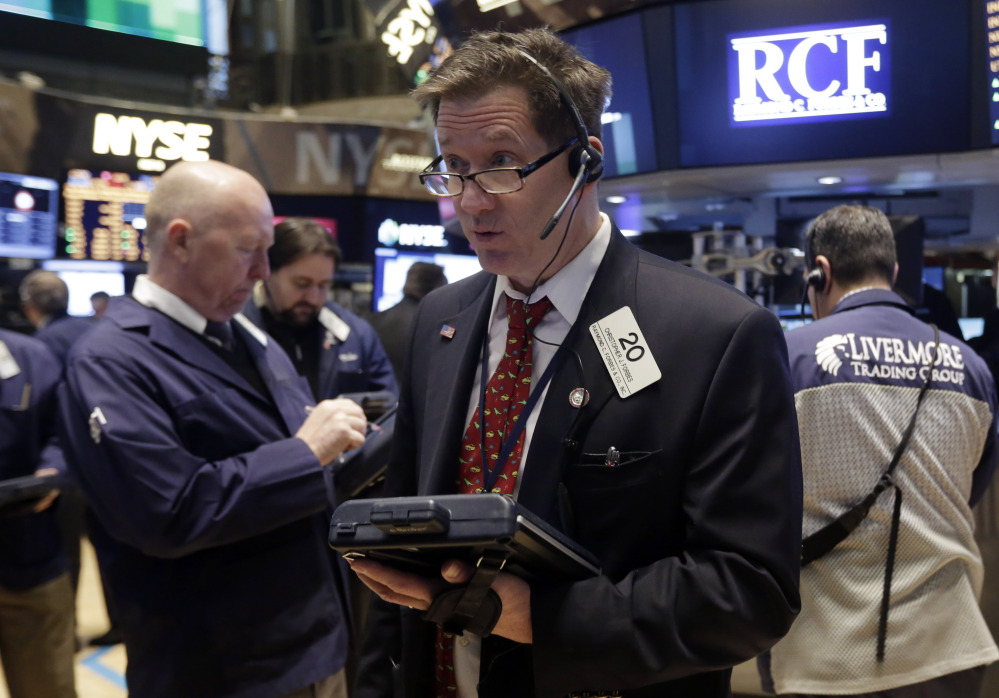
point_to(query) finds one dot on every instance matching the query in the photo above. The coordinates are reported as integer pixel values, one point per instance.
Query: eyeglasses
(504, 180)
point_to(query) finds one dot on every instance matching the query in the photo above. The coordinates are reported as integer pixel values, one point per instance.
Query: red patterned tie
(506, 394)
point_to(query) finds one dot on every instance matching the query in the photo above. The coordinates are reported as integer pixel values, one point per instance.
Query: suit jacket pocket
(615, 508)
(219, 424)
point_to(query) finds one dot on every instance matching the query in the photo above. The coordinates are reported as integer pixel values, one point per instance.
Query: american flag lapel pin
(447, 331)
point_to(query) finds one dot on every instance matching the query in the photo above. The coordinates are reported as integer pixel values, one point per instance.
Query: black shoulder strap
(829, 536)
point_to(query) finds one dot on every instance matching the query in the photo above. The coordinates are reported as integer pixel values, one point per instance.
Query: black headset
(583, 155)
(816, 278)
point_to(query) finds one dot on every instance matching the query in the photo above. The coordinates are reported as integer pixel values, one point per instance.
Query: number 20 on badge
(625, 352)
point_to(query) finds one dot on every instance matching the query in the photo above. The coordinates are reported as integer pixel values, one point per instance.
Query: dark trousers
(961, 684)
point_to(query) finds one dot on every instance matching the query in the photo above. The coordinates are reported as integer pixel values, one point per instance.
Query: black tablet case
(20, 494)
(375, 403)
(361, 470)
(420, 533)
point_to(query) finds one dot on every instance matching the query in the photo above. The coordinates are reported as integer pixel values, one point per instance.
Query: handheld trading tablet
(419, 534)
(365, 467)
(20, 494)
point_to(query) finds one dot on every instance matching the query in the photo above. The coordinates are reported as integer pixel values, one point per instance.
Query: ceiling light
(616, 199)
(833, 179)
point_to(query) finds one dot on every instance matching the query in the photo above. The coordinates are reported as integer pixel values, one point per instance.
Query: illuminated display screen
(992, 50)
(809, 73)
(103, 213)
(763, 81)
(28, 220)
(180, 21)
(391, 267)
(617, 45)
(84, 279)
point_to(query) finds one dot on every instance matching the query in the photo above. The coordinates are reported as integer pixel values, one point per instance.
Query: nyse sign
(153, 141)
(412, 27)
(810, 74)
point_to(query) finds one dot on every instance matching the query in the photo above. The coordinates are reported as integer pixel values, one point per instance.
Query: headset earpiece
(816, 278)
(594, 162)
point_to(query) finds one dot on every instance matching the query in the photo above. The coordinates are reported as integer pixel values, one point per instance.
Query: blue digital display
(617, 45)
(766, 81)
(813, 73)
(992, 51)
(28, 216)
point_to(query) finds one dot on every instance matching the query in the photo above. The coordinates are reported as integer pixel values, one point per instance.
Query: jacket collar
(457, 360)
(874, 296)
(182, 343)
(613, 287)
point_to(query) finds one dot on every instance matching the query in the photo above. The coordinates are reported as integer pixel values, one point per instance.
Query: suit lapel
(290, 404)
(185, 346)
(452, 374)
(175, 339)
(613, 287)
(329, 358)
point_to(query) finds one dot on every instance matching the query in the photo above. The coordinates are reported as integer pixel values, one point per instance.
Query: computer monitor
(618, 45)
(971, 326)
(28, 216)
(392, 265)
(180, 22)
(772, 81)
(85, 278)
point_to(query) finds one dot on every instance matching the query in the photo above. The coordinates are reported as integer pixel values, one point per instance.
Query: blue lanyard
(491, 475)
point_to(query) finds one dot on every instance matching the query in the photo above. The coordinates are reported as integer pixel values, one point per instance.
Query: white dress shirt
(566, 290)
(152, 295)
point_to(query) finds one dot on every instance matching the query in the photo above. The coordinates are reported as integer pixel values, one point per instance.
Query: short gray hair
(46, 291)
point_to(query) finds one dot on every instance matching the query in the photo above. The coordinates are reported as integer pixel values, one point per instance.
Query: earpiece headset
(816, 278)
(585, 161)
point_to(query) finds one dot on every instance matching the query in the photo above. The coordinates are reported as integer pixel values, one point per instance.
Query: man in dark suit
(660, 431)
(337, 351)
(394, 324)
(203, 457)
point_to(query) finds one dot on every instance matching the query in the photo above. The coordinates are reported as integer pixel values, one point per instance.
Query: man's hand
(46, 501)
(333, 427)
(418, 592)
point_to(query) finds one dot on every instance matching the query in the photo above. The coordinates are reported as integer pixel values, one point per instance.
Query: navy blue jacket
(30, 545)
(61, 333)
(213, 518)
(358, 364)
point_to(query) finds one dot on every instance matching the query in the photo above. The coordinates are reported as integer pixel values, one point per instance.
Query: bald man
(204, 458)
(45, 300)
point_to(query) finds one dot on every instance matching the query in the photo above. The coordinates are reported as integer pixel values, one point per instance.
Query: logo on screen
(817, 73)
(391, 233)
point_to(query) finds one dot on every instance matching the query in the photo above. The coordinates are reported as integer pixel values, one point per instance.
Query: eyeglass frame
(522, 172)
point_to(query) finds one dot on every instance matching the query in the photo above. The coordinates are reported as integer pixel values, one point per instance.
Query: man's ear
(822, 263)
(178, 239)
(894, 275)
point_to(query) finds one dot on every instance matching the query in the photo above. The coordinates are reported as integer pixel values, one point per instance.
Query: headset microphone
(580, 179)
(585, 161)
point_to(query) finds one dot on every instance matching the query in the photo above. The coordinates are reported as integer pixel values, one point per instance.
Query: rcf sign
(816, 73)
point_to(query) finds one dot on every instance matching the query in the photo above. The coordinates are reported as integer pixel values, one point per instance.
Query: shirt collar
(152, 295)
(567, 288)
